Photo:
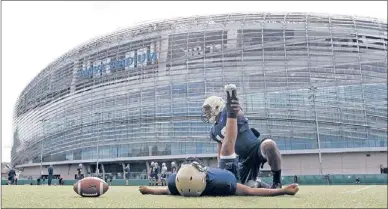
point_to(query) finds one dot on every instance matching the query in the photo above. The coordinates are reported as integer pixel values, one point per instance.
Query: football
(91, 187)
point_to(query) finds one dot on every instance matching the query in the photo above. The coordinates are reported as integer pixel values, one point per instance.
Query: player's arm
(227, 147)
(243, 190)
(233, 109)
(169, 190)
(154, 191)
(219, 146)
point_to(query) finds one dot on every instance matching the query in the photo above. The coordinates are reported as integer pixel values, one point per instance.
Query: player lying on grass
(194, 179)
(252, 152)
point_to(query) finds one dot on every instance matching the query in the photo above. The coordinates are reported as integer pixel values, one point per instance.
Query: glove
(232, 104)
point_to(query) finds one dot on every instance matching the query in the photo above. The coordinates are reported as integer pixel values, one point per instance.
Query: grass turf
(358, 196)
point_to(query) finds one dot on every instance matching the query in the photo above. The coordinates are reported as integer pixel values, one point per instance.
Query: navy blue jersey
(154, 171)
(246, 139)
(11, 173)
(50, 170)
(219, 182)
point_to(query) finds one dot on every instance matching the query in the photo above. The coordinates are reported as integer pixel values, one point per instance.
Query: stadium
(316, 84)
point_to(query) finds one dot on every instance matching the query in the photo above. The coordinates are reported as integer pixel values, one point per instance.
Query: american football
(91, 187)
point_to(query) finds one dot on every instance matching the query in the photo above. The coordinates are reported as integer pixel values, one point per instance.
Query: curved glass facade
(139, 91)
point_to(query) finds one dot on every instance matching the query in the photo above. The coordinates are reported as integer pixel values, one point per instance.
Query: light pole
(41, 150)
(98, 141)
(312, 91)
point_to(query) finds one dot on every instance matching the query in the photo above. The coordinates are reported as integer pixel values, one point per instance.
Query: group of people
(158, 175)
(240, 156)
(13, 177)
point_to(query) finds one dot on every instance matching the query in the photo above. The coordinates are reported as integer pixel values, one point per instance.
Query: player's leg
(165, 179)
(249, 172)
(270, 152)
(157, 180)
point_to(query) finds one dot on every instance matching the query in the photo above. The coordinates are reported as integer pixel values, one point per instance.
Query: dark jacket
(11, 173)
(50, 170)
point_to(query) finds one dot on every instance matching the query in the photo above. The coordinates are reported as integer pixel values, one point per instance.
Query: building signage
(126, 63)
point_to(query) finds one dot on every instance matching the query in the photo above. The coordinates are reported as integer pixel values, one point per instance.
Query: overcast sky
(36, 33)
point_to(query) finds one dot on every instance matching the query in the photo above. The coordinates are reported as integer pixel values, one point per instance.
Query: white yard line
(358, 190)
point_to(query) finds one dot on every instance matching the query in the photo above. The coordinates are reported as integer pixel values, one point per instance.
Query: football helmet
(211, 108)
(191, 179)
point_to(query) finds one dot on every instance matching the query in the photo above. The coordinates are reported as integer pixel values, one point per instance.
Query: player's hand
(291, 189)
(144, 190)
(232, 103)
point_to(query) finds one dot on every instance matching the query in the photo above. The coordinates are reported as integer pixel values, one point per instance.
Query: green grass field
(360, 196)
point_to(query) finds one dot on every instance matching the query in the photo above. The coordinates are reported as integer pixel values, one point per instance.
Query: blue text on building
(119, 64)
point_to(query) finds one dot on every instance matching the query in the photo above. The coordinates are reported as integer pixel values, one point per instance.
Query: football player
(194, 179)
(157, 173)
(252, 152)
(174, 167)
(163, 174)
(153, 177)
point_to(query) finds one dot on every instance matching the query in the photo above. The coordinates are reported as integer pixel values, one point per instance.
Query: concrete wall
(299, 164)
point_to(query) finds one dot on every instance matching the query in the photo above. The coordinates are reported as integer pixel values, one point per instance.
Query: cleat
(231, 91)
(232, 104)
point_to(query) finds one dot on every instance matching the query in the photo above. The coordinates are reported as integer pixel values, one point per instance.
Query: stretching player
(153, 177)
(194, 179)
(251, 152)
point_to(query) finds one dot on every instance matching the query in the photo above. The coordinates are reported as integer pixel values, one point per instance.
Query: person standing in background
(79, 173)
(11, 176)
(163, 174)
(295, 179)
(153, 174)
(110, 178)
(50, 172)
(174, 167)
(327, 178)
(16, 178)
(60, 181)
(127, 171)
(157, 173)
(358, 180)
